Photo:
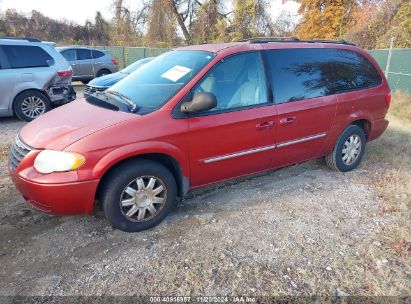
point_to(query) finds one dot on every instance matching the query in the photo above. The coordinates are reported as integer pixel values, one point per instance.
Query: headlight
(57, 161)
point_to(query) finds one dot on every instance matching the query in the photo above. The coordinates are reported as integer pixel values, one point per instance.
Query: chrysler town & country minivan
(198, 115)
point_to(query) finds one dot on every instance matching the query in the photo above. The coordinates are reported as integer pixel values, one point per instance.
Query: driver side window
(238, 81)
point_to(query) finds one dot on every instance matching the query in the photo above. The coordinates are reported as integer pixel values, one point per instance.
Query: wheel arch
(168, 161)
(363, 120)
(364, 124)
(24, 91)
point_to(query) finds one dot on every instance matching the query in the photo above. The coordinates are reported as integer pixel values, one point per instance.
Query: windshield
(134, 66)
(156, 82)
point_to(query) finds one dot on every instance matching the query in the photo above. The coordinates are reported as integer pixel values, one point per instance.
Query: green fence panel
(127, 55)
(134, 54)
(399, 75)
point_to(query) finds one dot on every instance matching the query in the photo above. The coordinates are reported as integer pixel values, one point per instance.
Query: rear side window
(69, 55)
(21, 56)
(83, 54)
(97, 54)
(309, 73)
(353, 71)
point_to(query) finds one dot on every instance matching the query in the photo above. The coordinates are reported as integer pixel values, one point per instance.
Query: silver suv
(88, 63)
(33, 78)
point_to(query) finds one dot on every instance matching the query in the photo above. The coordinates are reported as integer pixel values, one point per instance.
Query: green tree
(398, 27)
(251, 19)
(209, 24)
(162, 26)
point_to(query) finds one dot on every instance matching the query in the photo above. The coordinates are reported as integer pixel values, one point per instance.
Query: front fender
(137, 149)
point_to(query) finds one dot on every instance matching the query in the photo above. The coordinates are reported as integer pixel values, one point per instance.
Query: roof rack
(20, 38)
(269, 39)
(328, 41)
(292, 39)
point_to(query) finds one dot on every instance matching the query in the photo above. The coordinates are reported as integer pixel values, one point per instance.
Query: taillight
(388, 98)
(65, 73)
(114, 61)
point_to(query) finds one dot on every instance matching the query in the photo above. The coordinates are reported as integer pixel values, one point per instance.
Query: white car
(34, 77)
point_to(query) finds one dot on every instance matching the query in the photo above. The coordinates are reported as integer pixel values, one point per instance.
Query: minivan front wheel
(349, 150)
(138, 195)
(30, 105)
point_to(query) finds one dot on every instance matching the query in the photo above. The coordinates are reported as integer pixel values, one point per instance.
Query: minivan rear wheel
(138, 195)
(30, 105)
(348, 151)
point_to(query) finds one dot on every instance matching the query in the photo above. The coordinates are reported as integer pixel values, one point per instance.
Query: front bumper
(54, 197)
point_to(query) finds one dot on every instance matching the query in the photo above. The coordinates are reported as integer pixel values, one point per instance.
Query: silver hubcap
(33, 106)
(351, 149)
(143, 198)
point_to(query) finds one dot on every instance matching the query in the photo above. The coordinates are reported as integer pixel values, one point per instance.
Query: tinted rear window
(21, 56)
(308, 73)
(83, 54)
(353, 71)
(97, 54)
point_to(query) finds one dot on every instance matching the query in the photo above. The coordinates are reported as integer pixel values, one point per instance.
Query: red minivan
(199, 115)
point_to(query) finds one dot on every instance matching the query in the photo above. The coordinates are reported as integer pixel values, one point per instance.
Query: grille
(18, 151)
(91, 89)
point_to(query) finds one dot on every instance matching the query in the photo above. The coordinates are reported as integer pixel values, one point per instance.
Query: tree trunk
(118, 7)
(180, 21)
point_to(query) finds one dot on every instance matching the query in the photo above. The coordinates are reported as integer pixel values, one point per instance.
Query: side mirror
(201, 102)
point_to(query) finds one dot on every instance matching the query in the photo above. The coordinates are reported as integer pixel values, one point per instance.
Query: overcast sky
(81, 10)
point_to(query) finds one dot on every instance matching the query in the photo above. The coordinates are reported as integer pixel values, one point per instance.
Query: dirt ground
(300, 230)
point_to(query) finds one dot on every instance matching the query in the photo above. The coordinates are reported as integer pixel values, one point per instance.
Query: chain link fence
(399, 67)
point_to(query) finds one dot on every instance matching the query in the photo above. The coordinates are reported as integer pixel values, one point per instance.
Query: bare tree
(180, 20)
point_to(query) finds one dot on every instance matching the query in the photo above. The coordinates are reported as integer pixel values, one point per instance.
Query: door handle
(265, 125)
(287, 121)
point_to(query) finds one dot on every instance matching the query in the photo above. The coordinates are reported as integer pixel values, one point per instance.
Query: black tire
(21, 108)
(102, 73)
(122, 177)
(335, 159)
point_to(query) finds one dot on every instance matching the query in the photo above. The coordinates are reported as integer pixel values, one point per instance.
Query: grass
(401, 105)
(4, 152)
(388, 172)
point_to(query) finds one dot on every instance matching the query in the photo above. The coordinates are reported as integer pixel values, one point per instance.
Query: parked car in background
(102, 83)
(88, 63)
(199, 115)
(33, 78)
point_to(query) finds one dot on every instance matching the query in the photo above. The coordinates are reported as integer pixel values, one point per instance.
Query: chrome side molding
(265, 148)
(300, 140)
(246, 152)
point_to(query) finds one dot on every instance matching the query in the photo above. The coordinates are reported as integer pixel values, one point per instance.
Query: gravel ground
(299, 230)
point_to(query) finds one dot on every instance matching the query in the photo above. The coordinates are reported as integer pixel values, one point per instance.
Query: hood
(67, 124)
(107, 80)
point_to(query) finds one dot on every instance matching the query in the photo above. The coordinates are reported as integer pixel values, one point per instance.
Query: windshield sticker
(175, 73)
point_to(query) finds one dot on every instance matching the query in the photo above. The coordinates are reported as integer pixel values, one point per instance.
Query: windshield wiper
(131, 105)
